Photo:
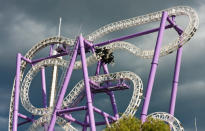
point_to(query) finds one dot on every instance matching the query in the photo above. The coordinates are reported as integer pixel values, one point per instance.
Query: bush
(134, 124)
(155, 125)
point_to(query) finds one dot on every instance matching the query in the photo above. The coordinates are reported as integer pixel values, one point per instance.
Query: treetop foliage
(134, 124)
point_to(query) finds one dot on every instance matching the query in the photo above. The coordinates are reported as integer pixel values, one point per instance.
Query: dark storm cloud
(24, 23)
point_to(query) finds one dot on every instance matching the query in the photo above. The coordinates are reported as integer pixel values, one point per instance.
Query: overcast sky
(24, 23)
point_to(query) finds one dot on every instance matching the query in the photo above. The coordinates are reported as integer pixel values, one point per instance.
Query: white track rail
(173, 121)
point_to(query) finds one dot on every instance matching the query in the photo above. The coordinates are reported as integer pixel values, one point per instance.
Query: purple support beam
(114, 104)
(64, 87)
(43, 82)
(25, 117)
(94, 84)
(88, 43)
(72, 109)
(176, 69)
(16, 92)
(98, 68)
(111, 94)
(70, 118)
(53, 56)
(86, 121)
(106, 120)
(179, 31)
(24, 122)
(132, 36)
(104, 113)
(87, 84)
(105, 68)
(154, 67)
(44, 96)
(25, 59)
(51, 50)
(175, 80)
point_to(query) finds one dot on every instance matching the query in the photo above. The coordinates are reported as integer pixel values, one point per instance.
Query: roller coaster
(59, 110)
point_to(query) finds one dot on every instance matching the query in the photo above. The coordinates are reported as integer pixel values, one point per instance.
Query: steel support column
(16, 92)
(175, 80)
(111, 94)
(87, 84)
(154, 66)
(43, 80)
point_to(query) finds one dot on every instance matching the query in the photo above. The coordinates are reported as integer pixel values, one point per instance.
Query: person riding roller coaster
(106, 55)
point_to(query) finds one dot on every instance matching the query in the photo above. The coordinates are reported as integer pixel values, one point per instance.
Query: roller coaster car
(106, 55)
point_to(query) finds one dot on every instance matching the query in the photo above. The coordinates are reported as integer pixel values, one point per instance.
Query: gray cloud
(25, 23)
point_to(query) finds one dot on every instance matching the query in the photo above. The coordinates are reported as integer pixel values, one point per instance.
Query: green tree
(155, 125)
(125, 124)
(134, 124)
